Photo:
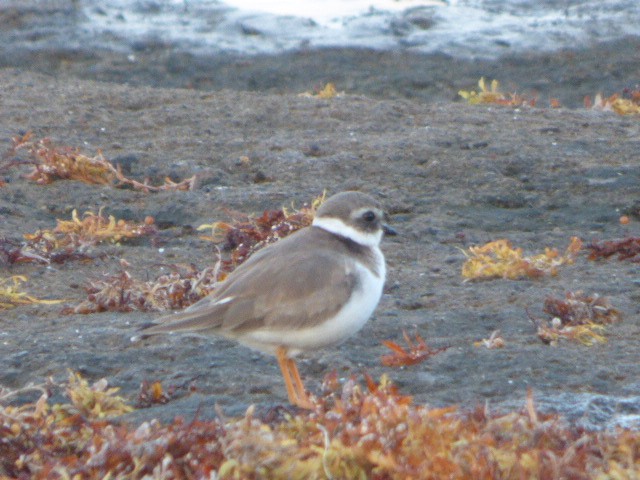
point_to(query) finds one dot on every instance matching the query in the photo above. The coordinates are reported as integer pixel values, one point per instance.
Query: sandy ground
(451, 175)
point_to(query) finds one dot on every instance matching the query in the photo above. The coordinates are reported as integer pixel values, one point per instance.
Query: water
(462, 28)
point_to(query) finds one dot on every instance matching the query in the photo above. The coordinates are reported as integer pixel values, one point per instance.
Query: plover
(308, 291)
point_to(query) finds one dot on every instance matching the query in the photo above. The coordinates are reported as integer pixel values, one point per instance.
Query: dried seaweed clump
(493, 95)
(626, 249)
(245, 234)
(325, 93)
(577, 317)
(494, 341)
(152, 393)
(51, 163)
(98, 228)
(93, 401)
(626, 103)
(11, 296)
(418, 351)
(121, 292)
(357, 432)
(71, 238)
(39, 248)
(498, 259)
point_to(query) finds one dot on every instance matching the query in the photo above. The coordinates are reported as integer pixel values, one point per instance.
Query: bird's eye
(369, 216)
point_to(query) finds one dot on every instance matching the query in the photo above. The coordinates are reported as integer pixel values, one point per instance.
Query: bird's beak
(389, 230)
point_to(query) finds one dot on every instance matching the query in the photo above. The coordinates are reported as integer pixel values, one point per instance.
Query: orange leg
(292, 380)
(303, 398)
(283, 361)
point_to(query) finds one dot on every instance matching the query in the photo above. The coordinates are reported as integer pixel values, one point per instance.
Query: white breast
(333, 331)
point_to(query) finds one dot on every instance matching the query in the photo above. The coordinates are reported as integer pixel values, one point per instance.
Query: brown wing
(281, 287)
(306, 290)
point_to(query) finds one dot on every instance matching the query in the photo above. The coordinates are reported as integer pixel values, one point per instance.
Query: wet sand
(452, 175)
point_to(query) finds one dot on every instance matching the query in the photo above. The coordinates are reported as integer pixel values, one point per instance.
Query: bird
(308, 291)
